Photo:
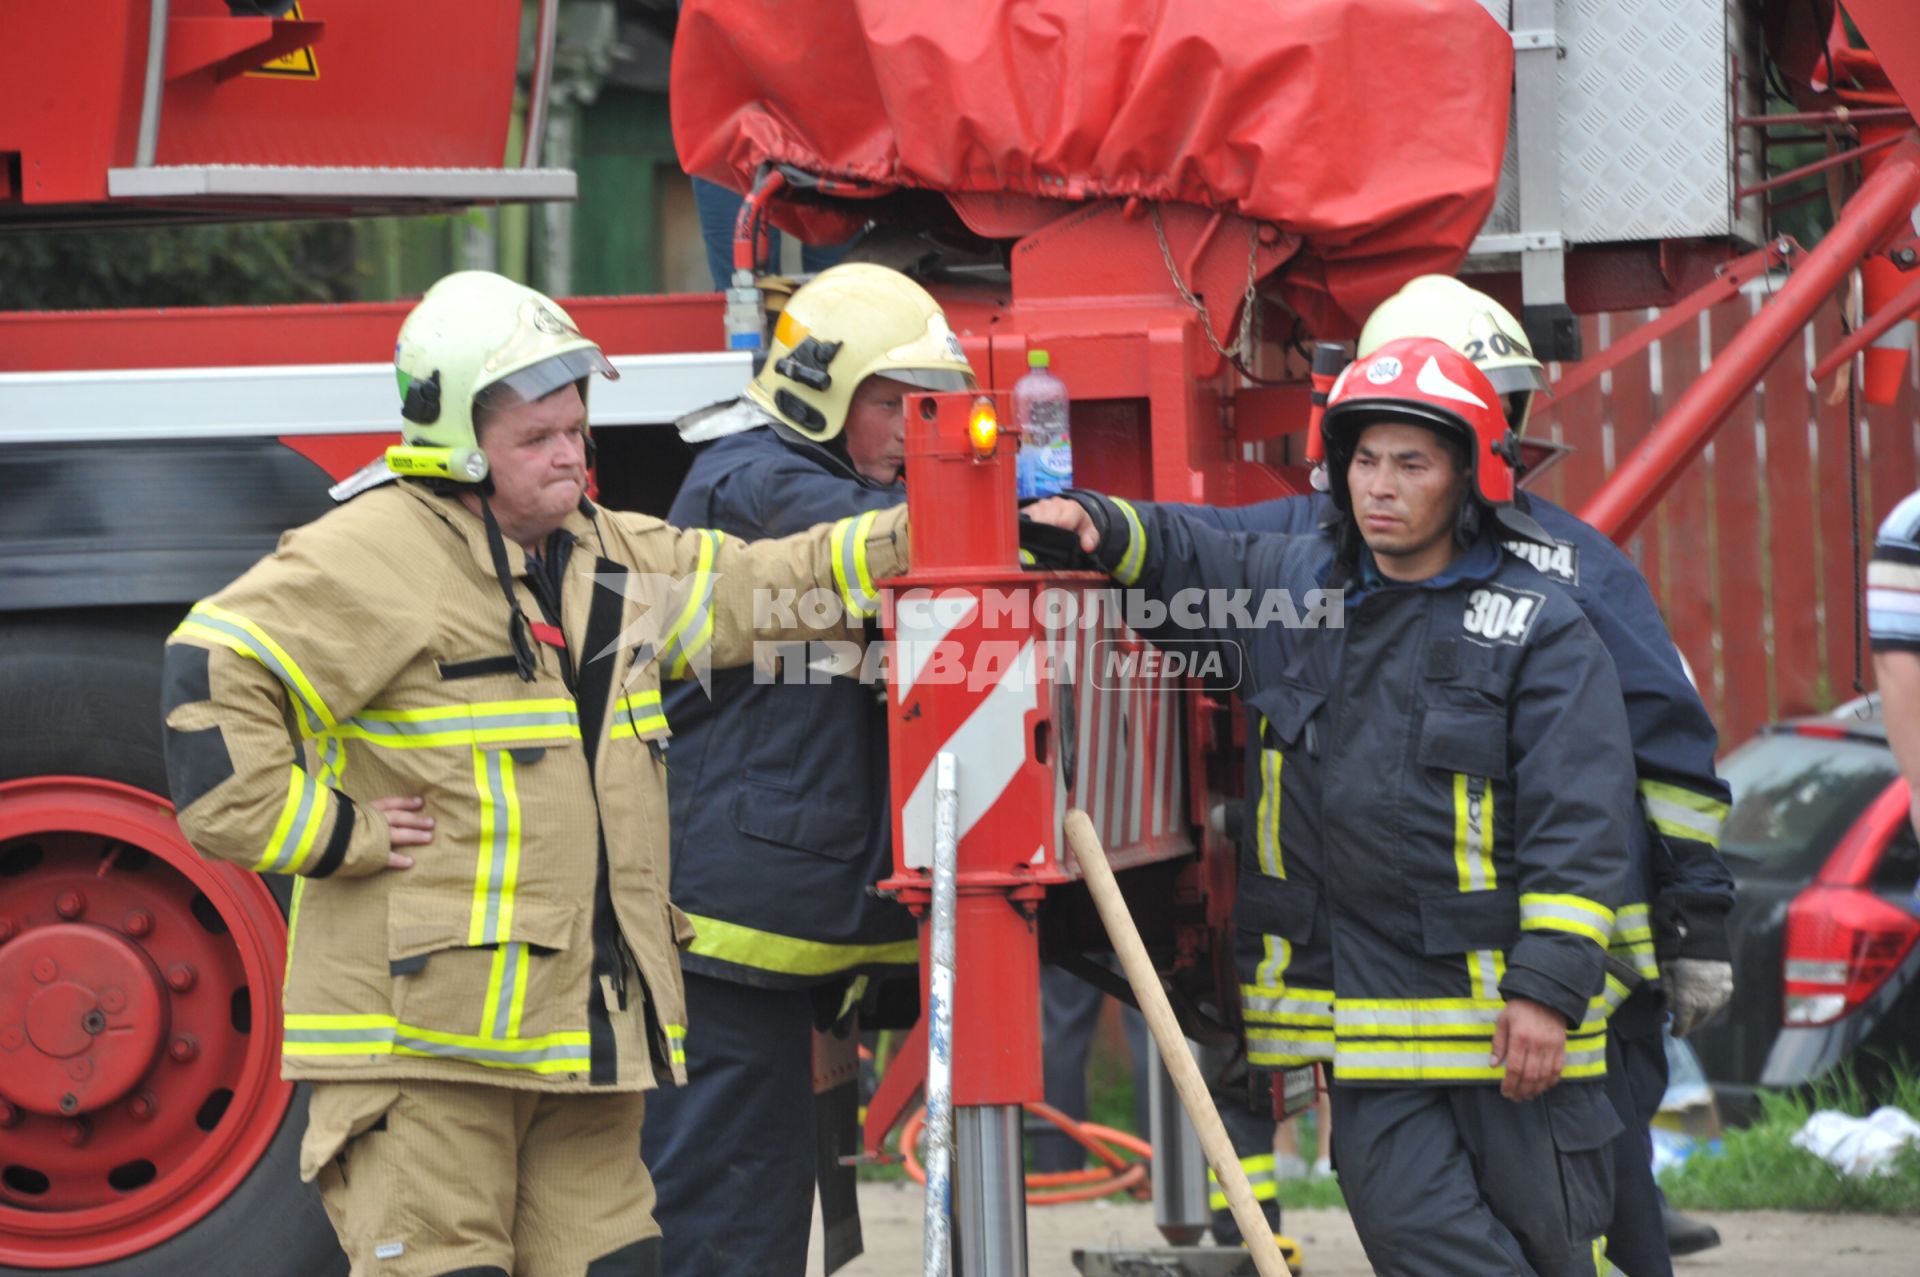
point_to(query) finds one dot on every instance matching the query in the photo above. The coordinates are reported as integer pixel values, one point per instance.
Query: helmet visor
(1515, 378)
(938, 380)
(537, 381)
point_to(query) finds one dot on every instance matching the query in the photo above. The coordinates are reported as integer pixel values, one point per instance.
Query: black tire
(80, 695)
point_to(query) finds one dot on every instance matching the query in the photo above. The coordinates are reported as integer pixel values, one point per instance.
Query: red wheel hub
(139, 1018)
(83, 1016)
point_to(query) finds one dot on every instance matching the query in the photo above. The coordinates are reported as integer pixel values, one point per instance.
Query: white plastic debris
(1858, 1145)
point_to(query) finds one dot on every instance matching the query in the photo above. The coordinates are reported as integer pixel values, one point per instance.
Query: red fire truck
(1204, 194)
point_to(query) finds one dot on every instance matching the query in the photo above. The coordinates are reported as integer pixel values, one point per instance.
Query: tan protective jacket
(367, 658)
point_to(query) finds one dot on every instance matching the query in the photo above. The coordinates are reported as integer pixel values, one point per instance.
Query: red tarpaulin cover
(1373, 129)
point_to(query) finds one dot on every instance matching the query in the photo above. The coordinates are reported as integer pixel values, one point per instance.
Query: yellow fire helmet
(475, 339)
(1472, 323)
(849, 323)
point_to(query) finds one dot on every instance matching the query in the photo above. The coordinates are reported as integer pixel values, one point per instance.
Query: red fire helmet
(1426, 382)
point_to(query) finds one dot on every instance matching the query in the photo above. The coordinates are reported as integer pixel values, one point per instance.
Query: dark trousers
(1636, 1079)
(1457, 1180)
(1069, 1012)
(1252, 1136)
(732, 1152)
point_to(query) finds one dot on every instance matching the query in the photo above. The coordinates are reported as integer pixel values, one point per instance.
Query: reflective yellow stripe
(1274, 1046)
(1544, 911)
(676, 1042)
(1272, 761)
(849, 548)
(501, 723)
(302, 816)
(1678, 812)
(1281, 1004)
(506, 992)
(1261, 1175)
(769, 951)
(693, 628)
(498, 869)
(638, 714)
(331, 1035)
(231, 630)
(1602, 1266)
(1451, 1061)
(1135, 559)
(293, 926)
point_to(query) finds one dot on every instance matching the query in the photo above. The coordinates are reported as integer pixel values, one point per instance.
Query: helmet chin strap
(519, 633)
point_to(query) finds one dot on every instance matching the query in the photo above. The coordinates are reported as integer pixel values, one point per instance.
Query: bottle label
(1044, 471)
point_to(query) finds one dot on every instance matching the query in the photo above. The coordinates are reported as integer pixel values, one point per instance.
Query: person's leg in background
(1069, 1013)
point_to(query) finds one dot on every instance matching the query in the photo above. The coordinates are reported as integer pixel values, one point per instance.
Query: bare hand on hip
(408, 825)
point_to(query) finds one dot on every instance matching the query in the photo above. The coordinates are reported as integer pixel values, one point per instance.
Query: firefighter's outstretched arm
(1572, 775)
(263, 681)
(732, 592)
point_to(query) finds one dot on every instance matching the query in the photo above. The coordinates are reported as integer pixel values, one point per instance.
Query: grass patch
(1760, 1168)
(1311, 1194)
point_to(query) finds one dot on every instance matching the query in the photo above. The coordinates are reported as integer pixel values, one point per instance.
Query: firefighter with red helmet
(1439, 796)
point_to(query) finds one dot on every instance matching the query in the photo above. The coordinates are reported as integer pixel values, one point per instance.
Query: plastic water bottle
(1045, 464)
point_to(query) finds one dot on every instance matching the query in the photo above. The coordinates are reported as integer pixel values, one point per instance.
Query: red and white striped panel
(1112, 747)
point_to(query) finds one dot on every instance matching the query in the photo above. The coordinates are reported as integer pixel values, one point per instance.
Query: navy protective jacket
(1674, 741)
(1444, 792)
(778, 790)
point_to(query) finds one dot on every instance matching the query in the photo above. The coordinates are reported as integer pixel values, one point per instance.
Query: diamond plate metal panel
(1644, 100)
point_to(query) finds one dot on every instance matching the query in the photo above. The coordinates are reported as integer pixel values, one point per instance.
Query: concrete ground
(1754, 1244)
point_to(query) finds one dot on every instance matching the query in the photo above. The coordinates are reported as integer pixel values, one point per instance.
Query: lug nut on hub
(71, 904)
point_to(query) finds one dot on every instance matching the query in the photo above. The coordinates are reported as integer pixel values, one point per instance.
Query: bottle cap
(1037, 359)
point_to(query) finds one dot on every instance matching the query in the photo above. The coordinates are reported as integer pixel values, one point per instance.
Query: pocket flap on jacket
(1580, 1117)
(420, 923)
(775, 814)
(1459, 921)
(1461, 740)
(1275, 907)
(1287, 707)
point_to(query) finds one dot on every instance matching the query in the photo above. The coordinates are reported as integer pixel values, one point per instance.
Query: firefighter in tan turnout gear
(439, 707)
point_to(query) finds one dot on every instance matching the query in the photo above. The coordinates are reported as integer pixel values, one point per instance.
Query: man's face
(1406, 494)
(876, 430)
(537, 455)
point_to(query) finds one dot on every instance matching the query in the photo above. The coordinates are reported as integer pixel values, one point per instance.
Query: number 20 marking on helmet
(1498, 343)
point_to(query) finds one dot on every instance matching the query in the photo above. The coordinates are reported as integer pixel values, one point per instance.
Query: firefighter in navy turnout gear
(1438, 841)
(781, 822)
(439, 706)
(1674, 924)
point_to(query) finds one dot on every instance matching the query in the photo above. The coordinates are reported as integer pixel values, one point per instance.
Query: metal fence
(1755, 555)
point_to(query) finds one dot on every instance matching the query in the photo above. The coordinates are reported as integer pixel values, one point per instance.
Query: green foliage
(1760, 1168)
(177, 266)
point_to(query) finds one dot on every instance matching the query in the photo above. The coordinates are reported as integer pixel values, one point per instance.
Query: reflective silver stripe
(493, 865)
(850, 562)
(314, 711)
(400, 728)
(1389, 1021)
(1290, 1007)
(1485, 964)
(512, 956)
(1292, 1045)
(575, 1052)
(694, 628)
(1128, 570)
(1680, 813)
(1272, 765)
(1566, 913)
(1480, 874)
(379, 1034)
(303, 816)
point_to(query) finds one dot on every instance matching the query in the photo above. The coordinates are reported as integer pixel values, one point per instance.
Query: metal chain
(1242, 349)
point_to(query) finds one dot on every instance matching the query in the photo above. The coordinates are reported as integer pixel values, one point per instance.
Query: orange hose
(1054, 1188)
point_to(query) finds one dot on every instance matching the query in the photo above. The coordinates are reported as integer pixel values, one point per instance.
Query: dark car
(1826, 966)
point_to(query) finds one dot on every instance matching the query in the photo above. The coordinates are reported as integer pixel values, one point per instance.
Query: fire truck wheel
(178, 1150)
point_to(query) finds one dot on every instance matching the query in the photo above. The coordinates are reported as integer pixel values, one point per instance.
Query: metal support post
(937, 1252)
(1180, 1208)
(1550, 325)
(990, 1204)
